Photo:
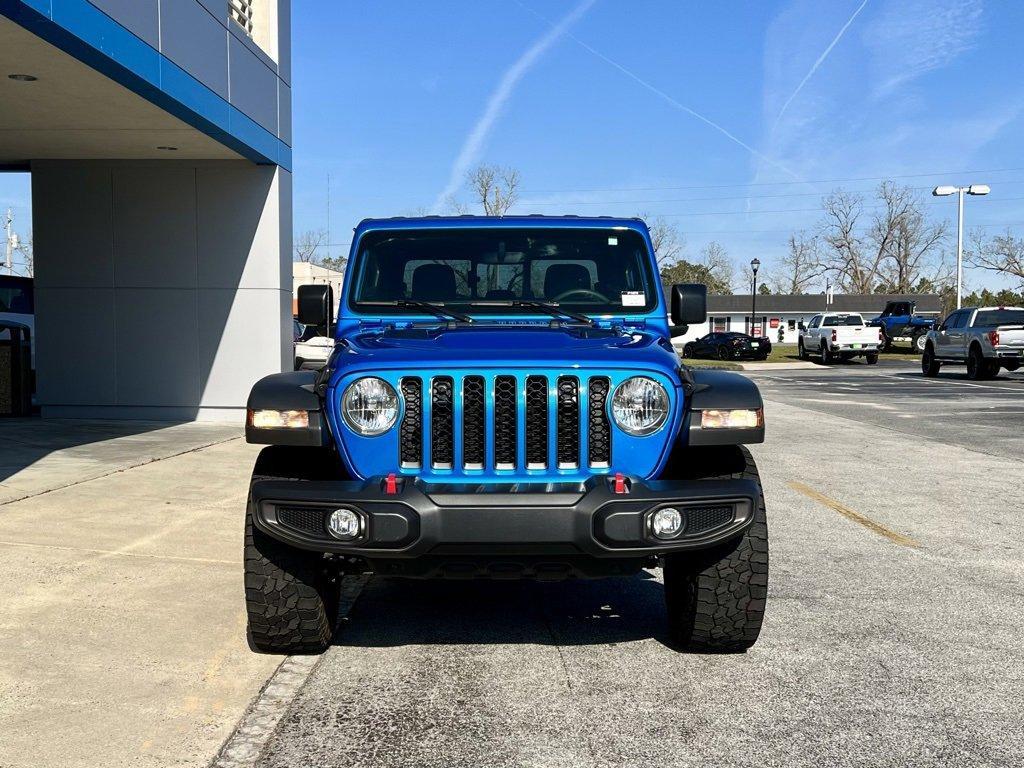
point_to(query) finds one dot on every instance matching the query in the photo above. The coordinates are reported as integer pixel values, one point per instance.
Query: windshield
(832, 320)
(484, 271)
(993, 317)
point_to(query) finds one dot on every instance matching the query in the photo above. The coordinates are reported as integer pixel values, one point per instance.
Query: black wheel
(871, 358)
(291, 595)
(929, 365)
(826, 355)
(918, 342)
(800, 351)
(716, 598)
(975, 364)
(991, 369)
(1011, 367)
(723, 353)
(846, 356)
(884, 343)
(688, 350)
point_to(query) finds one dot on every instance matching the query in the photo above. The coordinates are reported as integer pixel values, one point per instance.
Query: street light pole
(945, 191)
(754, 264)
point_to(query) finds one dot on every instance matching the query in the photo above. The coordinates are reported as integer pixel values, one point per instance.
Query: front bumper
(540, 520)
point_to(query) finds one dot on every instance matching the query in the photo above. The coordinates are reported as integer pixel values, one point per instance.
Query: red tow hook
(620, 483)
(391, 485)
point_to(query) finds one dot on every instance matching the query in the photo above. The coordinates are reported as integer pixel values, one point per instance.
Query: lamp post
(945, 191)
(754, 264)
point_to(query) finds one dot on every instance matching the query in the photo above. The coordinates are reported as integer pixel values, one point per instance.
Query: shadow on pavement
(398, 612)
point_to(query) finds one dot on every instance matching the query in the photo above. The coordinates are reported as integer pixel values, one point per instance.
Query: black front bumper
(539, 522)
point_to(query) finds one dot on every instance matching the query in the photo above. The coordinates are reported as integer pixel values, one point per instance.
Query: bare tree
(1003, 253)
(799, 268)
(907, 241)
(666, 238)
(495, 187)
(716, 259)
(847, 256)
(308, 243)
(24, 247)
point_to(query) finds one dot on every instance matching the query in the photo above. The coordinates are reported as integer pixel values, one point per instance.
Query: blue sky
(730, 118)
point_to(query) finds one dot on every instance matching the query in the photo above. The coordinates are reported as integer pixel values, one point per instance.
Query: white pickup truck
(838, 336)
(985, 338)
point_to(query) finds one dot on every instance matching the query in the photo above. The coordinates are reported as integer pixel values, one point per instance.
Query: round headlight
(640, 406)
(370, 406)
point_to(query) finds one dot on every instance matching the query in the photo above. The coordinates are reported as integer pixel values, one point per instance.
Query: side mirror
(316, 305)
(689, 304)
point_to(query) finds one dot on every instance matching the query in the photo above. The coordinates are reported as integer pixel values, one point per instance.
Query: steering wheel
(585, 291)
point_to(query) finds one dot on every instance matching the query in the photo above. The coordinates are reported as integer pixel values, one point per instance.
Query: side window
(957, 320)
(815, 321)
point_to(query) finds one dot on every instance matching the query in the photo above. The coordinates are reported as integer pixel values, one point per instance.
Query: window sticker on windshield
(633, 299)
(613, 241)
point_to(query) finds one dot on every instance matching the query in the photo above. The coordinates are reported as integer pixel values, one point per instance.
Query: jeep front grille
(505, 423)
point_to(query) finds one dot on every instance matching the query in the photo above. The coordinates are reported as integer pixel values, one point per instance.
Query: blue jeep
(503, 401)
(900, 320)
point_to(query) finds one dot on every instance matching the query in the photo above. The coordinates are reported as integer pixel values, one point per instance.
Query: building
(306, 273)
(158, 137)
(784, 312)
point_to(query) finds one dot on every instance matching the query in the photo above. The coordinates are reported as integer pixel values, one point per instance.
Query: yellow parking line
(856, 517)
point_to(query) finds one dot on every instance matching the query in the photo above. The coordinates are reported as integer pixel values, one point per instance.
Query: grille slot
(410, 448)
(702, 519)
(599, 441)
(473, 426)
(568, 432)
(303, 519)
(442, 441)
(505, 422)
(536, 422)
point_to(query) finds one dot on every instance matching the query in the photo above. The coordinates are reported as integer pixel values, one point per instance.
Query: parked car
(984, 338)
(729, 346)
(838, 335)
(17, 306)
(901, 321)
(503, 401)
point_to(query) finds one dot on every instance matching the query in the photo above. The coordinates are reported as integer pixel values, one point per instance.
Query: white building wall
(163, 289)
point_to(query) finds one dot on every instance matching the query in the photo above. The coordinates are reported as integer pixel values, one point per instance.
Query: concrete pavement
(122, 622)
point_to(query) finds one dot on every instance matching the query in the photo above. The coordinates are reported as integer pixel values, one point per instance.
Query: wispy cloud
(473, 146)
(818, 62)
(910, 39)
(671, 101)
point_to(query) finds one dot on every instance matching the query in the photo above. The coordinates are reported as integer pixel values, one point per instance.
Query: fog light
(344, 524)
(667, 523)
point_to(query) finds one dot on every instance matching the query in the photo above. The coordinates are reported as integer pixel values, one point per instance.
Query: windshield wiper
(431, 309)
(552, 308)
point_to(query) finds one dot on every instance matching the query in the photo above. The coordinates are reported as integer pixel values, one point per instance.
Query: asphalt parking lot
(892, 636)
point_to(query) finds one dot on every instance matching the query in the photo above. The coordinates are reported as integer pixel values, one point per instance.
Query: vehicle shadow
(397, 612)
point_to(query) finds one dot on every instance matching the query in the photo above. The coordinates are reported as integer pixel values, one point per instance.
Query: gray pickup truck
(985, 338)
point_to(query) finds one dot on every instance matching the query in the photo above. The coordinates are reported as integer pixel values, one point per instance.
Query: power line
(778, 183)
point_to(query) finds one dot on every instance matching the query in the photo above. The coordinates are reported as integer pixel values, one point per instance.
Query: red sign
(774, 322)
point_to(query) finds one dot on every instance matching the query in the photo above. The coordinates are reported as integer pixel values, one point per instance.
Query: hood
(509, 346)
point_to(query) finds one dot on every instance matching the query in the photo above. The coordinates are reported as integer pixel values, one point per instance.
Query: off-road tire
(885, 343)
(716, 597)
(801, 352)
(991, 369)
(826, 355)
(918, 341)
(871, 358)
(929, 365)
(291, 595)
(1011, 366)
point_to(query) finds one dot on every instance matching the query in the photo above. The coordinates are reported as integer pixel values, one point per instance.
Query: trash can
(15, 370)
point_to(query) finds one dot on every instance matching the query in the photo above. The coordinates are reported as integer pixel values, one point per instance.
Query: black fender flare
(288, 391)
(712, 389)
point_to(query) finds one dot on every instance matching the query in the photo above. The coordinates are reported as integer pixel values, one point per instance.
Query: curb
(245, 745)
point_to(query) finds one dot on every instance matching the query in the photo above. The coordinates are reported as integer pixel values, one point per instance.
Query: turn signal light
(267, 419)
(745, 419)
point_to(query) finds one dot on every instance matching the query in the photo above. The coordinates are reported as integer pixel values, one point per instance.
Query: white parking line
(953, 382)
